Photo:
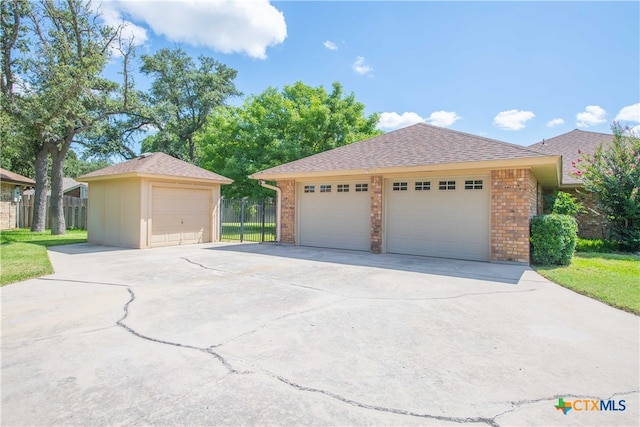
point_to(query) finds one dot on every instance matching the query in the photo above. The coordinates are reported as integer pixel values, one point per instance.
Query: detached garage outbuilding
(153, 200)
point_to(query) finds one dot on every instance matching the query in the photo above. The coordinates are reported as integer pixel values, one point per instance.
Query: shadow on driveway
(504, 273)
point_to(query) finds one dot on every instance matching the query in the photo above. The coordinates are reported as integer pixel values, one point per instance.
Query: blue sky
(513, 71)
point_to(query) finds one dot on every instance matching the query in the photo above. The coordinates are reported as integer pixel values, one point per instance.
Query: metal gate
(248, 220)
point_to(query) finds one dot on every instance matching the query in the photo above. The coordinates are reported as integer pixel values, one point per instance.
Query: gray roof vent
(145, 155)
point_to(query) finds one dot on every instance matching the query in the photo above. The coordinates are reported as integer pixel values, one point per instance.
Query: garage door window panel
(362, 188)
(446, 185)
(474, 184)
(400, 186)
(422, 186)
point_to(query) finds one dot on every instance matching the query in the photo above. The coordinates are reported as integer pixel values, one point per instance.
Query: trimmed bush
(553, 238)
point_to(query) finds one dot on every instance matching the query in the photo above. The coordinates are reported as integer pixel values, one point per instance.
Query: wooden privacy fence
(75, 212)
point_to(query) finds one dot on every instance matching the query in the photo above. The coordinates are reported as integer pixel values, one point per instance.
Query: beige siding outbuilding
(154, 200)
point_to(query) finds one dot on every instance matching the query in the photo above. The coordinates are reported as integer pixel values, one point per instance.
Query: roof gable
(159, 164)
(417, 145)
(569, 145)
(16, 178)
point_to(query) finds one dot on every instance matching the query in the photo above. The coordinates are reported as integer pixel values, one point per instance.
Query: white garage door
(180, 216)
(334, 214)
(443, 217)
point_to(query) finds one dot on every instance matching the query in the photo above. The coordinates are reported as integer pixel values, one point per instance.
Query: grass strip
(23, 253)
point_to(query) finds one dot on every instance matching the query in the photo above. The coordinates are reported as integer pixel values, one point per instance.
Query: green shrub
(554, 239)
(562, 203)
(597, 245)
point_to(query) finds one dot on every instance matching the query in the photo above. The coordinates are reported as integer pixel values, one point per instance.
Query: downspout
(278, 206)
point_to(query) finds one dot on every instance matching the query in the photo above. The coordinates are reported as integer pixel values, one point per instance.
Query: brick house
(592, 224)
(420, 190)
(12, 185)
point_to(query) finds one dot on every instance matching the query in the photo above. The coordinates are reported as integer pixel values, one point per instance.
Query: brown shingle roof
(416, 145)
(160, 164)
(8, 176)
(568, 146)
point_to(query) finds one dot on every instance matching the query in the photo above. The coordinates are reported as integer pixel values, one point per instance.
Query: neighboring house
(591, 224)
(12, 185)
(153, 200)
(70, 188)
(420, 190)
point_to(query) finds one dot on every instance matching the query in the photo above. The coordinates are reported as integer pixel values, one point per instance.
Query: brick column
(510, 213)
(288, 211)
(376, 213)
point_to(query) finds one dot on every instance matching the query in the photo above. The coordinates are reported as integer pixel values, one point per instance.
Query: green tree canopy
(612, 174)
(53, 54)
(181, 98)
(277, 127)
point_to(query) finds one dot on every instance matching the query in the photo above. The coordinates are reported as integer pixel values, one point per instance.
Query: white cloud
(630, 113)
(555, 122)
(226, 26)
(591, 116)
(512, 119)
(443, 118)
(330, 45)
(390, 121)
(360, 67)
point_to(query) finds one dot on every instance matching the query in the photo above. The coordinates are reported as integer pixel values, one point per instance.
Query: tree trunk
(192, 150)
(58, 226)
(40, 196)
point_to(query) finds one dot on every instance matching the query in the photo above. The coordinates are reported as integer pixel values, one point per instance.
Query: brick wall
(288, 226)
(512, 191)
(376, 213)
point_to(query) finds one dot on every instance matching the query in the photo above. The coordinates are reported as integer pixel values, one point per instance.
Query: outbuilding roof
(569, 145)
(417, 145)
(155, 164)
(15, 178)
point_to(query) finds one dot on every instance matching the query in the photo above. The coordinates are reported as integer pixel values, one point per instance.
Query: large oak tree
(182, 96)
(53, 55)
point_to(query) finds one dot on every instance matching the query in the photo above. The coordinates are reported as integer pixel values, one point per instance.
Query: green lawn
(611, 278)
(23, 254)
(252, 232)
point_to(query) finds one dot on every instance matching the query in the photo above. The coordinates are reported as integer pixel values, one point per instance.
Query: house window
(362, 188)
(423, 185)
(343, 188)
(324, 188)
(309, 188)
(447, 185)
(399, 186)
(473, 184)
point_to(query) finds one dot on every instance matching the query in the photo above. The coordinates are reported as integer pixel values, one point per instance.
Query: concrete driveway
(230, 334)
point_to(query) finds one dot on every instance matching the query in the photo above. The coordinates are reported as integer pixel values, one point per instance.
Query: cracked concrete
(224, 334)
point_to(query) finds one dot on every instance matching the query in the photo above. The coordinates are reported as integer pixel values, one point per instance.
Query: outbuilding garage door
(443, 217)
(334, 214)
(180, 216)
